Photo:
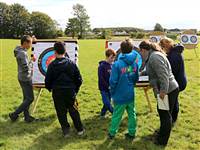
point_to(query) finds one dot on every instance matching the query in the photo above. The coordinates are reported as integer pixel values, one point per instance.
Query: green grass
(46, 134)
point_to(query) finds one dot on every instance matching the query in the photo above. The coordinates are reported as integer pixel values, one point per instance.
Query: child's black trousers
(64, 102)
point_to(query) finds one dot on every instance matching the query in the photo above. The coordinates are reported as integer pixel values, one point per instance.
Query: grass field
(46, 134)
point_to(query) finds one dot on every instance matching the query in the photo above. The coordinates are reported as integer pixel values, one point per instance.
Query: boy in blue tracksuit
(123, 78)
(104, 70)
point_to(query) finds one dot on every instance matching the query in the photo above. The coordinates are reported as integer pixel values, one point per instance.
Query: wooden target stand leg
(147, 98)
(196, 52)
(36, 100)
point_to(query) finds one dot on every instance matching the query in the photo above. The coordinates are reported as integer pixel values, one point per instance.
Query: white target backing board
(155, 39)
(189, 39)
(44, 54)
(115, 45)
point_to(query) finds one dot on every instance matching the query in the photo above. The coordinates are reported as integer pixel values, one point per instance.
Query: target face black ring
(193, 39)
(154, 39)
(46, 57)
(184, 39)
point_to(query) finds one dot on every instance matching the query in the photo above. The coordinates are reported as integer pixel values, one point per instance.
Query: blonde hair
(166, 42)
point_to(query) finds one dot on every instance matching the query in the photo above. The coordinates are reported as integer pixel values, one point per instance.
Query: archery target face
(185, 39)
(189, 39)
(45, 59)
(155, 39)
(115, 45)
(44, 53)
(193, 39)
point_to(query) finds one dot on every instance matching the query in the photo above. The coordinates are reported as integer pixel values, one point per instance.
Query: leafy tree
(72, 28)
(158, 27)
(19, 19)
(42, 25)
(4, 19)
(80, 13)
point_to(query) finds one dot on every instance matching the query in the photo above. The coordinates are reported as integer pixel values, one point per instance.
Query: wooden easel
(40, 88)
(146, 86)
(196, 51)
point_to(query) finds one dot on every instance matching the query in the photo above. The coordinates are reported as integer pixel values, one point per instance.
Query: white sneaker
(81, 132)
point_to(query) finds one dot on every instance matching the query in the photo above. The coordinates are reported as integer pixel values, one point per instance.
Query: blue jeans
(106, 98)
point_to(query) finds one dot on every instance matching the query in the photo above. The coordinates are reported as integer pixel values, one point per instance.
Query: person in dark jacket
(24, 78)
(174, 55)
(104, 70)
(64, 80)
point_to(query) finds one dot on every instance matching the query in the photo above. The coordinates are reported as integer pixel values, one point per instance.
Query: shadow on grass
(96, 129)
(139, 143)
(21, 128)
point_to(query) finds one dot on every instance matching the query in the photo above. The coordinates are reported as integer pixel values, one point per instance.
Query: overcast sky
(122, 13)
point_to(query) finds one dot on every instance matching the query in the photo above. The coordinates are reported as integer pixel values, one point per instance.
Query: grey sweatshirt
(160, 73)
(24, 69)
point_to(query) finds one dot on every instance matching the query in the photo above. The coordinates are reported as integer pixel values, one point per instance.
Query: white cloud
(113, 13)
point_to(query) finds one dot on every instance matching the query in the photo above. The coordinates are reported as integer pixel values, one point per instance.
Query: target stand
(190, 40)
(43, 53)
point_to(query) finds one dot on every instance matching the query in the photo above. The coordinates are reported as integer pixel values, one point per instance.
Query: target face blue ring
(154, 39)
(45, 59)
(193, 39)
(184, 39)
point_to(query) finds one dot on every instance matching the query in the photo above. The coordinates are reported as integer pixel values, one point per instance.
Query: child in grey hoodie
(24, 78)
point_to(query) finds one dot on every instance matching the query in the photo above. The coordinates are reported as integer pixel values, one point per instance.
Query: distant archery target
(189, 39)
(154, 39)
(46, 57)
(185, 39)
(156, 36)
(194, 39)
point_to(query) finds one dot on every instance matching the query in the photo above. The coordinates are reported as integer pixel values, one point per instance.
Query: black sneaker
(13, 117)
(110, 136)
(156, 132)
(66, 132)
(30, 119)
(156, 142)
(129, 137)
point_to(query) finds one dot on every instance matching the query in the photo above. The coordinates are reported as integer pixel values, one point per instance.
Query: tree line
(15, 21)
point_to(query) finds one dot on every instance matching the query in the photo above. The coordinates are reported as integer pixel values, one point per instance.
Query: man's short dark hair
(59, 47)
(126, 46)
(25, 38)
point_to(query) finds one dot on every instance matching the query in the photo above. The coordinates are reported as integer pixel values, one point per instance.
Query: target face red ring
(45, 59)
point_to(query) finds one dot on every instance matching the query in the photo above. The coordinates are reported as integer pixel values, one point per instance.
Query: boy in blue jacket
(104, 70)
(123, 78)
